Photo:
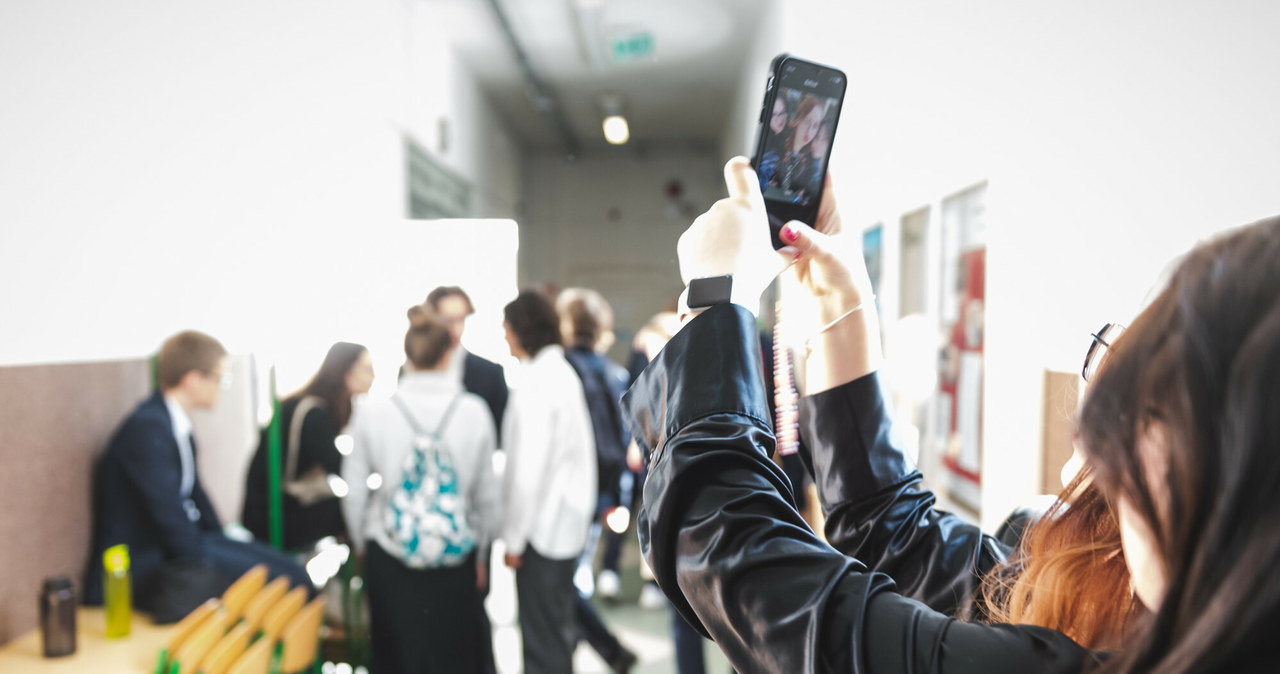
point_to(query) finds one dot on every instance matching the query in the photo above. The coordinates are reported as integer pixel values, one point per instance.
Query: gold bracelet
(808, 343)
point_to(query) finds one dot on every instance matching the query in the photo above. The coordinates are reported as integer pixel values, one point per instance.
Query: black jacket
(137, 499)
(303, 525)
(877, 509)
(603, 383)
(487, 379)
(720, 531)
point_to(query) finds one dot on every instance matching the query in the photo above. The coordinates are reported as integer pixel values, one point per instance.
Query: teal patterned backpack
(425, 515)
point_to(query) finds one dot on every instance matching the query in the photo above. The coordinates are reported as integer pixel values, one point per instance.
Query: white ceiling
(682, 94)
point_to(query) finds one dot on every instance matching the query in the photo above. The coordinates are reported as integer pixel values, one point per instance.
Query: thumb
(742, 182)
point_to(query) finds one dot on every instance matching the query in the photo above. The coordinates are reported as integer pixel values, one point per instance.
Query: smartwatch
(710, 291)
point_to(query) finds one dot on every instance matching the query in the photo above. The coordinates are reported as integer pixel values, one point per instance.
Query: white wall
(605, 222)
(739, 136)
(172, 165)
(1114, 135)
(238, 168)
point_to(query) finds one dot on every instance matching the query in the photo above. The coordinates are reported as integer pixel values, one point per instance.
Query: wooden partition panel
(1061, 396)
(54, 422)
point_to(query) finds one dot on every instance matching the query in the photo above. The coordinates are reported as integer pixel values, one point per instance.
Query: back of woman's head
(586, 316)
(533, 320)
(1198, 383)
(330, 382)
(427, 340)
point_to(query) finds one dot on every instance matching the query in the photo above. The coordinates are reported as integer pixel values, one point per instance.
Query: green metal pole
(274, 499)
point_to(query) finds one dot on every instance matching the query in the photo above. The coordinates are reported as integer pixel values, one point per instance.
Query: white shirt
(457, 361)
(182, 427)
(550, 476)
(382, 438)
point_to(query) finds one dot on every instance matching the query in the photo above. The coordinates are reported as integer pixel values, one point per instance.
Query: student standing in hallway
(422, 602)
(482, 377)
(550, 482)
(586, 325)
(486, 379)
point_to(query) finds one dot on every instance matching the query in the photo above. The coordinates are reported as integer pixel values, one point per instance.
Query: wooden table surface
(94, 651)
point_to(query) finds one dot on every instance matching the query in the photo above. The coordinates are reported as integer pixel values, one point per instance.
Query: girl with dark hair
(549, 483)
(1178, 430)
(423, 603)
(787, 166)
(310, 420)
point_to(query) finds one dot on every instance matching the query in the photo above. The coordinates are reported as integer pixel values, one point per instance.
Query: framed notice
(960, 359)
(434, 191)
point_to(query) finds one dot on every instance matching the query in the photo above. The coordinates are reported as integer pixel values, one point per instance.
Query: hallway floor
(646, 631)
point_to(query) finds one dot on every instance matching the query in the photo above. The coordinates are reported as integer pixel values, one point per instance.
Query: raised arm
(739, 562)
(722, 538)
(876, 506)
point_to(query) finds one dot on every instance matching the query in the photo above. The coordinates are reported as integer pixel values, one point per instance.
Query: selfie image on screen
(797, 143)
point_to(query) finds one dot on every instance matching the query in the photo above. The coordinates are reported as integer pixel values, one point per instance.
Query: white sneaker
(608, 585)
(651, 596)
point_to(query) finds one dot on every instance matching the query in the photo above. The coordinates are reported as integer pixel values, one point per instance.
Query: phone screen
(798, 123)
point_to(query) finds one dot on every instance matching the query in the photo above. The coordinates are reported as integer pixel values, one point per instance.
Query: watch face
(705, 292)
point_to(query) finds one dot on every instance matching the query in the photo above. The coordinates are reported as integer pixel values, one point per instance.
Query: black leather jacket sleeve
(727, 547)
(877, 508)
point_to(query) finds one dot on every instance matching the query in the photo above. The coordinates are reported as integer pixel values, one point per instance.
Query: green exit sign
(635, 46)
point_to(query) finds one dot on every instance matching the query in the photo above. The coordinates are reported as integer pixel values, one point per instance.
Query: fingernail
(788, 234)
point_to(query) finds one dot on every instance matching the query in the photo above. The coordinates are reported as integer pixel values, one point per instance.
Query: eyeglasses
(1102, 340)
(223, 378)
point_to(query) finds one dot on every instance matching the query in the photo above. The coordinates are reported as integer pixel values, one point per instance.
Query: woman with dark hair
(787, 167)
(424, 499)
(1178, 430)
(310, 420)
(549, 483)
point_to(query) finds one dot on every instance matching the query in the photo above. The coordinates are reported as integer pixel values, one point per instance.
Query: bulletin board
(960, 359)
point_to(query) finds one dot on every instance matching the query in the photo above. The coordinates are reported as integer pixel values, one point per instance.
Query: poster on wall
(872, 253)
(960, 358)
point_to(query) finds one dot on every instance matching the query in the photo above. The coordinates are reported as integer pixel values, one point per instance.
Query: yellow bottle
(116, 591)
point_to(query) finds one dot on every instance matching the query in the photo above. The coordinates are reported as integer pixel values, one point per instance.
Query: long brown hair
(793, 126)
(427, 340)
(1069, 573)
(330, 382)
(1202, 370)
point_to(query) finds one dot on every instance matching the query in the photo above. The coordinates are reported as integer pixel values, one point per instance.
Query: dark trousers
(612, 549)
(484, 629)
(421, 620)
(595, 632)
(688, 643)
(548, 623)
(234, 558)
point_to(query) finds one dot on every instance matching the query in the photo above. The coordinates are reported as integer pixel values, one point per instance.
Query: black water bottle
(58, 617)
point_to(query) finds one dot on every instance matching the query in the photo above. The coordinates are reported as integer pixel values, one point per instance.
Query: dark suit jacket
(486, 379)
(137, 500)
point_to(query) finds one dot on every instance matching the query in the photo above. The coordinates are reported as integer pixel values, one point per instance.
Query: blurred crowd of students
(407, 482)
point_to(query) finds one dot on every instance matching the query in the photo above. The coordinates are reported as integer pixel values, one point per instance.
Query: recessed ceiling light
(616, 130)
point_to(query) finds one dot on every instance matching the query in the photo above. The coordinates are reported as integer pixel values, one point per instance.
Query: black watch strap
(710, 291)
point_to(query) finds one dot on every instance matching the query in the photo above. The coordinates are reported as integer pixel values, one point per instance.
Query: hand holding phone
(802, 103)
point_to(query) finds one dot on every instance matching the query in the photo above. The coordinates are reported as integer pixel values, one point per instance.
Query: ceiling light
(615, 126)
(615, 129)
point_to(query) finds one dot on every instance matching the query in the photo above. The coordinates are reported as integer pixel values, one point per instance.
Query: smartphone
(802, 102)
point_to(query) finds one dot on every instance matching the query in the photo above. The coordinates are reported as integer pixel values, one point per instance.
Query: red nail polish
(788, 234)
